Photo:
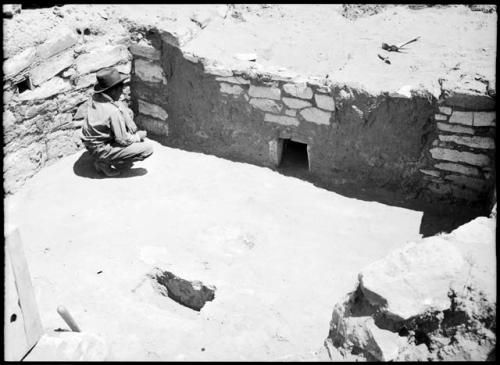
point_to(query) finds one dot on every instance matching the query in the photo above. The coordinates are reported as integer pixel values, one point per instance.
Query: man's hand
(142, 135)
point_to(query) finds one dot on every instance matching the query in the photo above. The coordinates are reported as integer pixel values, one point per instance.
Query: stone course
(152, 110)
(301, 91)
(264, 92)
(149, 71)
(296, 103)
(464, 147)
(464, 118)
(281, 119)
(266, 105)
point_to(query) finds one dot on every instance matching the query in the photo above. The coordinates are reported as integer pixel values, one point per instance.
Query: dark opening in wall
(294, 155)
(24, 85)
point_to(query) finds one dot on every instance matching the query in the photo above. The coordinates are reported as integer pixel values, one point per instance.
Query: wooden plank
(15, 343)
(31, 317)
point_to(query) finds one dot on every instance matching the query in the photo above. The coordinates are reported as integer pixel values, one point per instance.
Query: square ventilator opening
(294, 155)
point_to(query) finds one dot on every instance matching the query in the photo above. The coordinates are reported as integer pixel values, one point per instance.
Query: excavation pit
(191, 294)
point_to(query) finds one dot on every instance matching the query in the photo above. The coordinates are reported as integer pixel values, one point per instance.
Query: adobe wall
(410, 143)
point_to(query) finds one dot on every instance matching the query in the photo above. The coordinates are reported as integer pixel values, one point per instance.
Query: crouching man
(109, 132)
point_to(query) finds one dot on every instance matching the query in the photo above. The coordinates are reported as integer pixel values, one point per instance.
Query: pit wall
(352, 138)
(462, 154)
(41, 123)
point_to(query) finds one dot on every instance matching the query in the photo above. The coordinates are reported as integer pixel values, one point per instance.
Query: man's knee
(146, 149)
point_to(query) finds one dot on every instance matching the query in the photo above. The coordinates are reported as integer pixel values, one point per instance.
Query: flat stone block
(474, 142)
(445, 110)
(440, 117)
(14, 65)
(152, 110)
(469, 182)
(50, 68)
(454, 128)
(86, 81)
(458, 156)
(264, 92)
(143, 49)
(484, 119)
(149, 71)
(125, 68)
(461, 169)
(315, 115)
(296, 103)
(65, 39)
(430, 172)
(218, 71)
(291, 112)
(48, 89)
(230, 89)
(152, 125)
(464, 118)
(266, 105)
(325, 102)
(105, 56)
(234, 80)
(300, 90)
(281, 119)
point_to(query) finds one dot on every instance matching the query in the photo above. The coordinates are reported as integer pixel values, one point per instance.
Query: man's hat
(107, 78)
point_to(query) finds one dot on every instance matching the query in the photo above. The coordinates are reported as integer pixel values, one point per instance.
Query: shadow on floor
(442, 218)
(84, 167)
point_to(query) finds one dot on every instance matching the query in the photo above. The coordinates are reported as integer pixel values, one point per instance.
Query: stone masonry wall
(353, 138)
(44, 85)
(462, 163)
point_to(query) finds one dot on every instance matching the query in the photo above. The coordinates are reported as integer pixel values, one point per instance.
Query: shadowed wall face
(406, 144)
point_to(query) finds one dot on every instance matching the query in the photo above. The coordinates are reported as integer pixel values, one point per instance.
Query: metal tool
(64, 313)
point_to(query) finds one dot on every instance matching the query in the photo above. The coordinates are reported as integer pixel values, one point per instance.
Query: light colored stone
(125, 68)
(8, 118)
(266, 105)
(459, 156)
(152, 110)
(67, 102)
(440, 117)
(300, 90)
(466, 170)
(149, 71)
(281, 119)
(474, 142)
(470, 182)
(484, 119)
(264, 92)
(291, 112)
(10, 9)
(234, 80)
(230, 89)
(143, 49)
(151, 125)
(445, 110)
(454, 128)
(315, 115)
(325, 102)
(430, 172)
(14, 65)
(105, 56)
(65, 39)
(50, 68)
(417, 277)
(69, 346)
(296, 103)
(464, 118)
(218, 71)
(48, 89)
(86, 81)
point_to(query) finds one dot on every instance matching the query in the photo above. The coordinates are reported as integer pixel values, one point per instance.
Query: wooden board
(20, 302)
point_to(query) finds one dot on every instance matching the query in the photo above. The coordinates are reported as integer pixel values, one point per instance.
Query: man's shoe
(124, 165)
(105, 169)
